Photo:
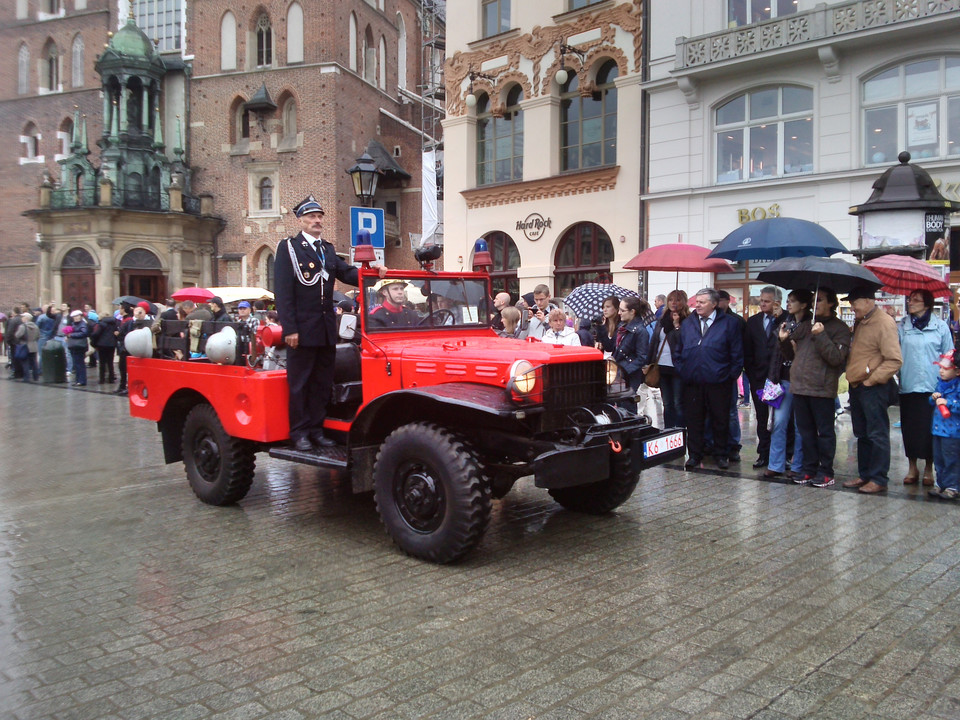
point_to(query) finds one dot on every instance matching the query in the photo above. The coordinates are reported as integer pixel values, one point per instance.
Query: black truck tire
(601, 497)
(430, 492)
(219, 467)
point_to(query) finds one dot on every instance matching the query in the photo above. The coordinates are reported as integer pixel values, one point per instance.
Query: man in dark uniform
(305, 269)
(392, 311)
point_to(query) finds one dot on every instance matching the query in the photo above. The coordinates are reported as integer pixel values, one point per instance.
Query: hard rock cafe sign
(534, 226)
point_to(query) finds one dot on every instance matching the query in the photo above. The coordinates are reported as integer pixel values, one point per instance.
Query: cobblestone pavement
(704, 596)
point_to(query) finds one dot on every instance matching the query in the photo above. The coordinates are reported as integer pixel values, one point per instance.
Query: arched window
(78, 258)
(500, 140)
(140, 259)
(383, 63)
(76, 62)
(264, 41)
(266, 194)
(228, 41)
(401, 52)
(23, 70)
(506, 260)
(584, 254)
(267, 261)
(369, 57)
(51, 68)
(765, 133)
(913, 106)
(588, 125)
(65, 136)
(30, 139)
(352, 42)
(294, 34)
(239, 122)
(289, 116)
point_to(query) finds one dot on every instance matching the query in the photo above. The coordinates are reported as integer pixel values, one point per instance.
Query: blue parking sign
(371, 220)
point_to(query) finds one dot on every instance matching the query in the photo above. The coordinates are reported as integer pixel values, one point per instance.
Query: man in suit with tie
(305, 269)
(709, 359)
(757, 349)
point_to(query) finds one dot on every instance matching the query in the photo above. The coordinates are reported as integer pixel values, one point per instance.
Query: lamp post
(365, 176)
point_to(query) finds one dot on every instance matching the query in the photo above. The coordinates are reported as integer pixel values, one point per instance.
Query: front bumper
(590, 462)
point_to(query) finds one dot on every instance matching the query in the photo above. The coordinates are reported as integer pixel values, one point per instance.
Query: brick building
(260, 106)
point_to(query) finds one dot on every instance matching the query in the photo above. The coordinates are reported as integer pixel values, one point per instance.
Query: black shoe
(303, 444)
(692, 462)
(734, 456)
(723, 463)
(760, 462)
(320, 440)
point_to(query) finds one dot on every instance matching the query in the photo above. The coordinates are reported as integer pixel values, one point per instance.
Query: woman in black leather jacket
(632, 344)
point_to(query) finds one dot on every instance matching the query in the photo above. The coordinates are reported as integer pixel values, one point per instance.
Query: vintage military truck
(436, 418)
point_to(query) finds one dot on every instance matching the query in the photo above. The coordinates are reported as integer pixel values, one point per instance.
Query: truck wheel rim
(206, 454)
(419, 496)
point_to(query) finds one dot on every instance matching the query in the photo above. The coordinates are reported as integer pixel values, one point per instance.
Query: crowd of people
(683, 366)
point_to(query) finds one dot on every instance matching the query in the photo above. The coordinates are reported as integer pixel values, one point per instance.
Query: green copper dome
(131, 41)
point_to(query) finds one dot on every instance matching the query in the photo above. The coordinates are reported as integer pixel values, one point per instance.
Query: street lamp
(365, 176)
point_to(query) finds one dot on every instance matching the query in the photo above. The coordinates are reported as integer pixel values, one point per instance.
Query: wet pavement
(706, 595)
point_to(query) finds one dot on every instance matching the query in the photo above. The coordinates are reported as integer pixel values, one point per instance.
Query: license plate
(662, 444)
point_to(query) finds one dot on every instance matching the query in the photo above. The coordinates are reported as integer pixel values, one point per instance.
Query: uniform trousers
(310, 379)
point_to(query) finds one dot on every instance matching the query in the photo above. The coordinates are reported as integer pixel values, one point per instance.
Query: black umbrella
(812, 273)
(129, 299)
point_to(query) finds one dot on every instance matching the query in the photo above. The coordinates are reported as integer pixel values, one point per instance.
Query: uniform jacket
(920, 350)
(874, 350)
(947, 427)
(307, 310)
(631, 352)
(713, 358)
(758, 348)
(818, 360)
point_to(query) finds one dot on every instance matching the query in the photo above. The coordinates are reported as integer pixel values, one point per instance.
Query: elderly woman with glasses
(923, 339)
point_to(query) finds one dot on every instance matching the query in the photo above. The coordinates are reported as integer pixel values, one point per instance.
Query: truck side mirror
(348, 326)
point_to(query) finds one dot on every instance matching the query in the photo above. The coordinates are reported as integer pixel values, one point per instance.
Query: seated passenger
(392, 310)
(560, 333)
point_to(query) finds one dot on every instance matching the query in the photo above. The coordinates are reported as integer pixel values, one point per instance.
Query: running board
(335, 457)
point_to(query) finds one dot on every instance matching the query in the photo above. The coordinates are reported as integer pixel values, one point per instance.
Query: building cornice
(574, 183)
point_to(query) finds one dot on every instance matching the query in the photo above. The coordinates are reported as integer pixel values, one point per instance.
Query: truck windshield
(398, 303)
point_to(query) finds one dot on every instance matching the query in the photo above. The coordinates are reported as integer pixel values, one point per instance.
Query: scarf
(621, 334)
(919, 323)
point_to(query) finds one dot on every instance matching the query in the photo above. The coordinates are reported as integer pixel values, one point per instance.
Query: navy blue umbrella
(775, 238)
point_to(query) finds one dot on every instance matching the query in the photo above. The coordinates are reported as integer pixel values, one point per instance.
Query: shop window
(495, 16)
(744, 12)
(583, 255)
(500, 140)
(588, 125)
(506, 260)
(765, 133)
(913, 106)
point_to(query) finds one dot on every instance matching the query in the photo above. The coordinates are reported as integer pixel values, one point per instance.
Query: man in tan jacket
(874, 359)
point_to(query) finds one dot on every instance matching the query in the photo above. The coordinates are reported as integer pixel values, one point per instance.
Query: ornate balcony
(822, 24)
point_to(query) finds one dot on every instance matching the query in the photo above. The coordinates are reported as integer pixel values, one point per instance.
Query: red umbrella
(901, 275)
(677, 257)
(196, 294)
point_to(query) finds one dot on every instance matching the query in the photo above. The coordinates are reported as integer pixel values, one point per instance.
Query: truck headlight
(612, 370)
(523, 377)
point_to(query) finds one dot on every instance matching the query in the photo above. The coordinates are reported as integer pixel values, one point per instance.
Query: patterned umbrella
(901, 275)
(586, 301)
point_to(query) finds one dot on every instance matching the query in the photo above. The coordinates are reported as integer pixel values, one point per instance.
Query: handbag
(652, 376)
(21, 352)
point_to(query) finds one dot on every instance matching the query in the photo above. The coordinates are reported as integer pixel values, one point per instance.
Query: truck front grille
(568, 386)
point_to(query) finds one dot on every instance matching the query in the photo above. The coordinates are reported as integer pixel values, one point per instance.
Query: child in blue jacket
(946, 430)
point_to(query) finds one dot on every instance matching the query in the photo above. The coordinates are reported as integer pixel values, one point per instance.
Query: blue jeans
(871, 425)
(79, 366)
(671, 390)
(782, 417)
(946, 458)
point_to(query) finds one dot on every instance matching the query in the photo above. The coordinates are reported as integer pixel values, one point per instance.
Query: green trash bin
(53, 363)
